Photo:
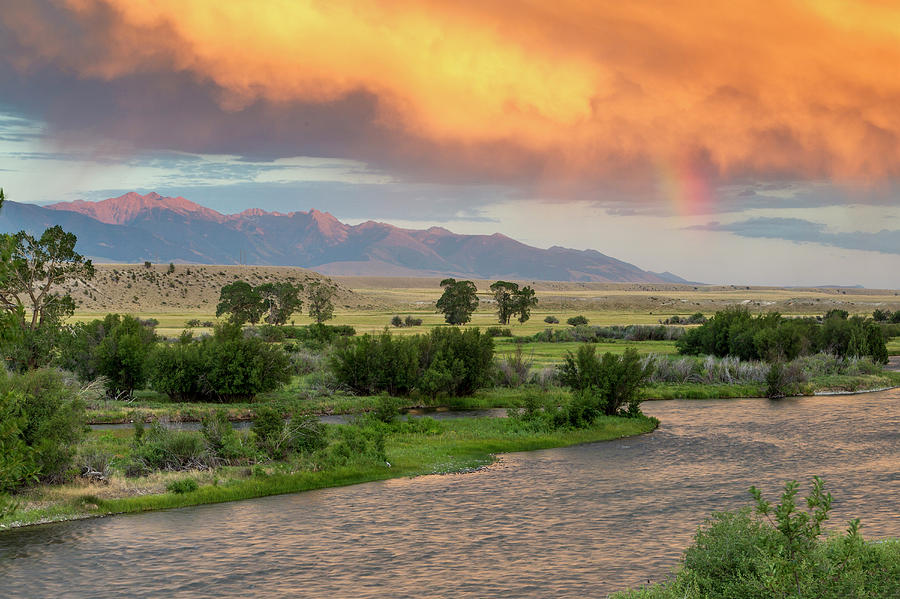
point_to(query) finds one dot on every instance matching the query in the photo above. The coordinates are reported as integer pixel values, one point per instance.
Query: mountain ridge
(135, 227)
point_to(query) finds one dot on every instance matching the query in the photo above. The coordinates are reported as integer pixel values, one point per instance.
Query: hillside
(133, 228)
(134, 288)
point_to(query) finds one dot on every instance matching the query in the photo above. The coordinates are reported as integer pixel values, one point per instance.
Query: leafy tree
(458, 301)
(504, 295)
(321, 306)
(30, 272)
(241, 301)
(280, 301)
(37, 266)
(523, 301)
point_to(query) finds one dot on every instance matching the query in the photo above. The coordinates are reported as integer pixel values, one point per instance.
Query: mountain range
(134, 228)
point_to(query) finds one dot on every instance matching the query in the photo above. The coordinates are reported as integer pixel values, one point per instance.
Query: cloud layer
(544, 93)
(804, 231)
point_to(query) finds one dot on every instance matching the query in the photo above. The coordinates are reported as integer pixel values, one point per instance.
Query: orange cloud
(789, 88)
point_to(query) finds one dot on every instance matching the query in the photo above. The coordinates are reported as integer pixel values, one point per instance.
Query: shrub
(115, 348)
(192, 323)
(354, 444)
(94, 463)
(41, 423)
(609, 385)
(277, 437)
(182, 486)
(159, 448)
(396, 321)
(513, 369)
(409, 321)
(734, 332)
(447, 360)
(498, 332)
(576, 320)
(551, 320)
(220, 436)
(225, 367)
(387, 408)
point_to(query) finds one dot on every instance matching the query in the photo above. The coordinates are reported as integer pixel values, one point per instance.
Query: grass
(893, 346)
(543, 354)
(462, 445)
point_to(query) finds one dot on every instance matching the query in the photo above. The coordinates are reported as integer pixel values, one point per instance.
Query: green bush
(277, 437)
(397, 321)
(115, 348)
(779, 551)
(220, 436)
(447, 360)
(576, 320)
(41, 423)
(551, 320)
(182, 486)
(354, 444)
(734, 332)
(159, 448)
(609, 385)
(226, 367)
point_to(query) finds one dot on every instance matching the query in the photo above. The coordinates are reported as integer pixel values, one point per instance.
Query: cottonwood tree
(34, 270)
(241, 302)
(512, 301)
(280, 301)
(458, 301)
(320, 296)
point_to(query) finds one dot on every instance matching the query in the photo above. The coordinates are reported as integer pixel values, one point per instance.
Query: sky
(736, 142)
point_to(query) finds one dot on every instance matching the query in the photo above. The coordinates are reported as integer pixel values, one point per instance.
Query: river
(573, 522)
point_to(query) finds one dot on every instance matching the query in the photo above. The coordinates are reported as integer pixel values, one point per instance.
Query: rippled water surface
(573, 522)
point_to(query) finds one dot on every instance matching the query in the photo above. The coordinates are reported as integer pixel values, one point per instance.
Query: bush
(779, 552)
(159, 448)
(387, 408)
(220, 436)
(609, 385)
(447, 360)
(513, 369)
(734, 332)
(409, 321)
(225, 367)
(576, 320)
(182, 486)
(396, 321)
(354, 444)
(277, 437)
(551, 320)
(41, 423)
(498, 332)
(115, 348)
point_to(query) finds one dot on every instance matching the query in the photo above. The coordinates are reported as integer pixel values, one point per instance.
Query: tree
(523, 301)
(321, 307)
(512, 301)
(37, 266)
(280, 301)
(504, 293)
(241, 301)
(458, 301)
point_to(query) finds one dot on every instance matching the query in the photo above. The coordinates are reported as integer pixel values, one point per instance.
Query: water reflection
(571, 522)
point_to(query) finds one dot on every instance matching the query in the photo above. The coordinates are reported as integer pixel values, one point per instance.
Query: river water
(573, 522)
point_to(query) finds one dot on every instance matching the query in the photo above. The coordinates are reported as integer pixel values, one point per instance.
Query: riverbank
(430, 448)
(149, 407)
